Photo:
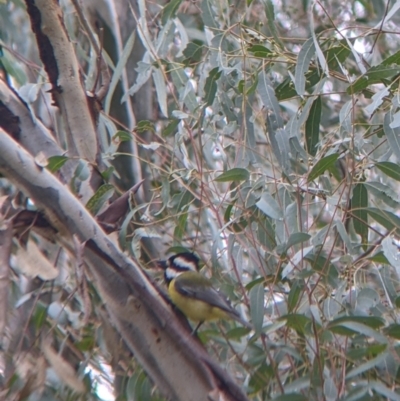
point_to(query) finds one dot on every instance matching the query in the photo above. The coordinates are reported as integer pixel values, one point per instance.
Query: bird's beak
(162, 264)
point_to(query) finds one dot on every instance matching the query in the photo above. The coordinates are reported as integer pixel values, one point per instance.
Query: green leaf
(297, 238)
(312, 126)
(102, 195)
(387, 219)
(180, 227)
(13, 68)
(165, 193)
(359, 204)
(320, 55)
(294, 239)
(383, 192)
(391, 251)
(380, 388)
(294, 295)
(169, 11)
(193, 53)
(56, 162)
(107, 173)
(393, 59)
(160, 85)
(286, 89)
(86, 343)
(324, 267)
(39, 316)
(303, 63)
(207, 14)
(210, 87)
(393, 331)
(256, 296)
(269, 206)
(180, 81)
(123, 136)
(322, 165)
(379, 258)
(180, 249)
(374, 75)
(365, 352)
(291, 397)
(268, 97)
(185, 199)
(392, 134)
(372, 363)
(297, 322)
(122, 235)
(82, 171)
(390, 169)
(261, 377)
(118, 71)
(235, 174)
(260, 51)
(373, 322)
(238, 225)
(182, 207)
(270, 13)
(144, 126)
(170, 128)
(266, 232)
(337, 54)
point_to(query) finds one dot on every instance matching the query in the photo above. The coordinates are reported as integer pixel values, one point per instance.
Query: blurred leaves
(271, 150)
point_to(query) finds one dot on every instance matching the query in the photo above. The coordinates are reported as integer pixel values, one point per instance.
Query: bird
(193, 294)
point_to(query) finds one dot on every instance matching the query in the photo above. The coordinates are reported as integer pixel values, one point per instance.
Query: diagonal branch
(145, 321)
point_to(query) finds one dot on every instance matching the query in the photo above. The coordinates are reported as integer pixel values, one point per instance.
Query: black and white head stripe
(178, 264)
(184, 261)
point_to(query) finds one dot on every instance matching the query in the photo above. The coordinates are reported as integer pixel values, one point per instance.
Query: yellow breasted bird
(193, 293)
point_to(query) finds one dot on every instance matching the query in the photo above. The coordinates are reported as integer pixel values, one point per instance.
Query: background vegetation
(263, 135)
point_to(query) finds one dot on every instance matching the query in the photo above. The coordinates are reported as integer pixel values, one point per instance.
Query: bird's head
(178, 264)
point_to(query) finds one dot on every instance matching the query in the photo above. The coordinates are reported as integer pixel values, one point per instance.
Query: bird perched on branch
(193, 293)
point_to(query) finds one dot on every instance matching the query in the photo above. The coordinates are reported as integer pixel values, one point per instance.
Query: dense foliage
(272, 152)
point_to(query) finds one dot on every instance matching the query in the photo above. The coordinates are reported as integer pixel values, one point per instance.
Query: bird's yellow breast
(194, 309)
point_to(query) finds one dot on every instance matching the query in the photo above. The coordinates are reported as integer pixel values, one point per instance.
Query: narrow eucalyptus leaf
(256, 296)
(210, 88)
(169, 11)
(312, 126)
(380, 388)
(294, 295)
(268, 97)
(268, 205)
(390, 169)
(291, 397)
(391, 252)
(322, 165)
(119, 70)
(372, 363)
(377, 100)
(160, 86)
(303, 63)
(387, 219)
(54, 163)
(208, 14)
(101, 196)
(359, 204)
(270, 13)
(374, 75)
(235, 174)
(345, 116)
